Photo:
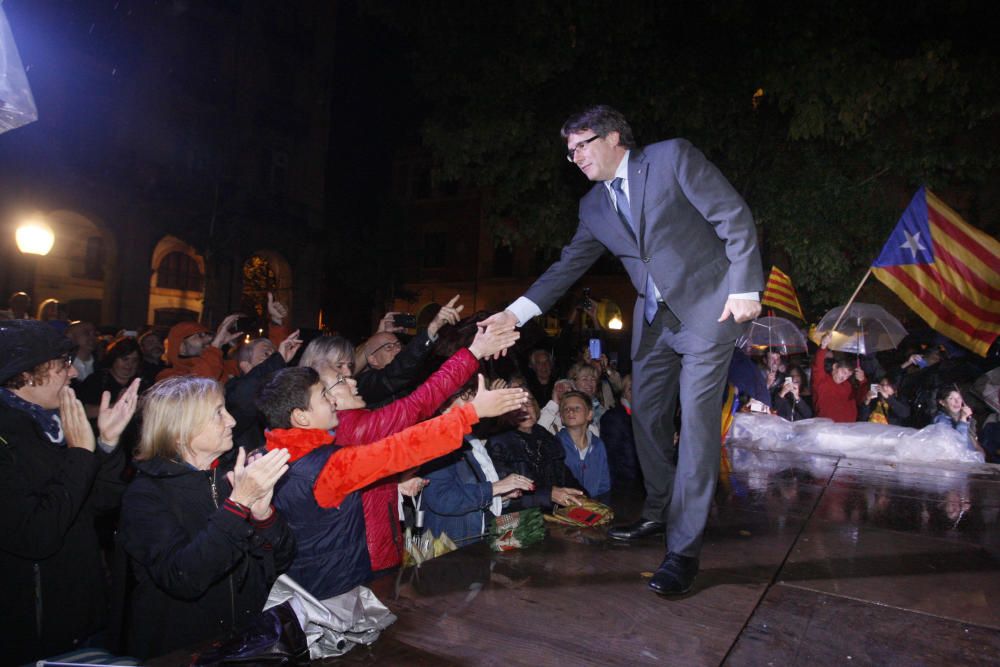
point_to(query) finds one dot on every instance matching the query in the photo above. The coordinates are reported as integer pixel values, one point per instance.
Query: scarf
(298, 441)
(489, 471)
(47, 420)
(880, 413)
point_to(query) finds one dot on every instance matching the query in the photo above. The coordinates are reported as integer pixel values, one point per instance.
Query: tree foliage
(858, 106)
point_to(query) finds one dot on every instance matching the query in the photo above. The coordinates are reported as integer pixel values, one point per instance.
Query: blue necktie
(649, 306)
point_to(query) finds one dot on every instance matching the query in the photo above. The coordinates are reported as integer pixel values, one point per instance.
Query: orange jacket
(353, 468)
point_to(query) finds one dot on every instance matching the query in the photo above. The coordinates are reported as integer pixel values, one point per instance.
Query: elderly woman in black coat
(55, 479)
(204, 542)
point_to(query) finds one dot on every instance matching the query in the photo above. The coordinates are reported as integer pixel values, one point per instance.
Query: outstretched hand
(490, 341)
(449, 314)
(742, 310)
(500, 322)
(495, 402)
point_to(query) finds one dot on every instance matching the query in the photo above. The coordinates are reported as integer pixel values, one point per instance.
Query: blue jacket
(457, 497)
(592, 471)
(943, 417)
(332, 553)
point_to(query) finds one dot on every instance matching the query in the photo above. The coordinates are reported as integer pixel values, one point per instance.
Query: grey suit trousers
(672, 362)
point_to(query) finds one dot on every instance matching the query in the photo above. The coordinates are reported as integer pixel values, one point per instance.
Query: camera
(586, 303)
(405, 320)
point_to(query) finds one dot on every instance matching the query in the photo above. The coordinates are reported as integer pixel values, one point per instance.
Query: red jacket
(838, 402)
(359, 427)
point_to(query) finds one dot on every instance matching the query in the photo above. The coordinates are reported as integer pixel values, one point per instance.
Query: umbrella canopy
(864, 329)
(776, 333)
(987, 387)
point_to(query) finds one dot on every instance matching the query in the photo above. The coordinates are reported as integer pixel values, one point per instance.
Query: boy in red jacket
(319, 495)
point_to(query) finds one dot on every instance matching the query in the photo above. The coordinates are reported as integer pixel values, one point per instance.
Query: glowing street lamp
(615, 323)
(34, 237)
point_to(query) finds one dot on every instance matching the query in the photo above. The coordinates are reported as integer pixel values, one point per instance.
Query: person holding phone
(788, 401)
(391, 369)
(954, 412)
(882, 406)
(193, 350)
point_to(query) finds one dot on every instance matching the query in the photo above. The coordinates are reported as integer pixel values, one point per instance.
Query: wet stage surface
(807, 560)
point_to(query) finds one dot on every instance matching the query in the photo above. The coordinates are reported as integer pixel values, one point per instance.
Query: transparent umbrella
(865, 328)
(772, 332)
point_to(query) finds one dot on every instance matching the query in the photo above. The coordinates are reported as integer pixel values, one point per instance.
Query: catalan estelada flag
(946, 270)
(779, 293)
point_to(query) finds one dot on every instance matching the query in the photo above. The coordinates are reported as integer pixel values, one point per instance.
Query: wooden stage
(808, 560)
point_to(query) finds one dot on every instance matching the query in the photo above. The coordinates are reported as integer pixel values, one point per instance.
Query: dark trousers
(674, 363)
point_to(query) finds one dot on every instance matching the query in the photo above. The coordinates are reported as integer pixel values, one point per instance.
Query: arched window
(179, 271)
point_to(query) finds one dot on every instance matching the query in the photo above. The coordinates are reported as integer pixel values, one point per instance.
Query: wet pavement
(807, 560)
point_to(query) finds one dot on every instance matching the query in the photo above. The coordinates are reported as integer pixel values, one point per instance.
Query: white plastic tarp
(862, 440)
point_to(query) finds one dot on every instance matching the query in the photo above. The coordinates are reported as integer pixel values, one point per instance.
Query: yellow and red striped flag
(779, 293)
(946, 270)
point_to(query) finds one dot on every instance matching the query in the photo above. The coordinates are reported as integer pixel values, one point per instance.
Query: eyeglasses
(327, 390)
(387, 346)
(571, 152)
(66, 359)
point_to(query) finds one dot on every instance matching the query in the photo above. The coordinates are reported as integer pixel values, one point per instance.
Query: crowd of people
(918, 385)
(157, 486)
(191, 471)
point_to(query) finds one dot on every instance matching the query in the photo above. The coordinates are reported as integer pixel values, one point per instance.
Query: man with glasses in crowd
(687, 240)
(391, 369)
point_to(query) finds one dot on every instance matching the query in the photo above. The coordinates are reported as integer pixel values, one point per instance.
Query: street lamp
(34, 237)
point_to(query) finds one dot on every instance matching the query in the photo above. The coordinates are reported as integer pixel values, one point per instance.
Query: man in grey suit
(688, 242)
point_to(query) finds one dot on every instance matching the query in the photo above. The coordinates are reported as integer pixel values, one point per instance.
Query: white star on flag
(912, 243)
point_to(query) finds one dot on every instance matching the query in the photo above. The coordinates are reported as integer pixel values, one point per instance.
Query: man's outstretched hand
(499, 323)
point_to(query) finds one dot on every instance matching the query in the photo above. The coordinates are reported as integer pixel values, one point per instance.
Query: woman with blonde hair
(204, 542)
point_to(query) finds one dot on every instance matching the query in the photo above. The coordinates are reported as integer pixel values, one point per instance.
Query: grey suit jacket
(696, 237)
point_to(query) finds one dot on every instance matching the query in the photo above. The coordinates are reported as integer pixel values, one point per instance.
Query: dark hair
(602, 120)
(36, 376)
(511, 419)
(285, 391)
(804, 379)
(120, 347)
(467, 391)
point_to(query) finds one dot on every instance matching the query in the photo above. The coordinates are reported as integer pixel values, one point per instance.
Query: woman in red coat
(359, 426)
(834, 395)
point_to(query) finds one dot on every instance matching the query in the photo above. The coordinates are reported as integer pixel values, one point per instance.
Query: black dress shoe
(633, 531)
(675, 575)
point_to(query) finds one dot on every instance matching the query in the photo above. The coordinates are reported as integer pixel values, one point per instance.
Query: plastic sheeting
(17, 106)
(861, 440)
(335, 625)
